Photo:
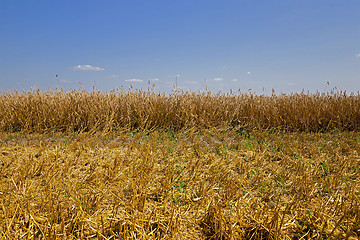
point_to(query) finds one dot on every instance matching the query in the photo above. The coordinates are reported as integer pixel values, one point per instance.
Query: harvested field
(91, 165)
(189, 185)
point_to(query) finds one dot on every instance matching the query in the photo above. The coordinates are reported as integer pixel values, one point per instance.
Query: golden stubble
(195, 184)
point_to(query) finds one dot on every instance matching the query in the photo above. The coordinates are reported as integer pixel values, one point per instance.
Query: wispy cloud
(134, 80)
(249, 73)
(87, 68)
(191, 82)
(218, 79)
(113, 76)
(357, 55)
(235, 80)
(154, 79)
(64, 81)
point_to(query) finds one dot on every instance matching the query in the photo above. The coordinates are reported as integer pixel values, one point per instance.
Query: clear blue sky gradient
(248, 44)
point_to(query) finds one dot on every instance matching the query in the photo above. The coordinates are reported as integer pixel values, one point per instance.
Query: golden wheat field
(79, 110)
(144, 165)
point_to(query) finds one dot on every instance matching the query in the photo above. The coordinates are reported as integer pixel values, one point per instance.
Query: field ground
(203, 184)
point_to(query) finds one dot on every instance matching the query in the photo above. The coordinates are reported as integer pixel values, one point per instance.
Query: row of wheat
(80, 110)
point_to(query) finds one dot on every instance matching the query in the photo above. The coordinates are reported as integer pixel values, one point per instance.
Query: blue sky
(245, 44)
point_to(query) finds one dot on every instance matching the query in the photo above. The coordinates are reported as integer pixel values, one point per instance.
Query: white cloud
(154, 79)
(235, 80)
(191, 82)
(174, 76)
(134, 80)
(224, 67)
(113, 76)
(218, 79)
(357, 55)
(87, 68)
(64, 81)
(248, 73)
